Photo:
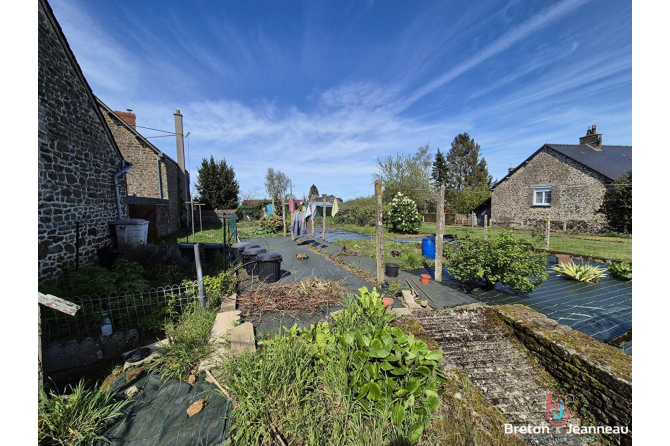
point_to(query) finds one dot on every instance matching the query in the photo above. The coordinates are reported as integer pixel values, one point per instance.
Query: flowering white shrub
(403, 215)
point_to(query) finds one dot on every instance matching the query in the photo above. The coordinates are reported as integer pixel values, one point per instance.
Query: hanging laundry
(298, 224)
(335, 208)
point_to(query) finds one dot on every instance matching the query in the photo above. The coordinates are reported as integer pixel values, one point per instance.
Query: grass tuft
(188, 344)
(77, 418)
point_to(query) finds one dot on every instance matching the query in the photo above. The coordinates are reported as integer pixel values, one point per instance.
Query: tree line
(463, 171)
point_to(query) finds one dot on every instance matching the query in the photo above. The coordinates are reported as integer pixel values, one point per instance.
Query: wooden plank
(57, 303)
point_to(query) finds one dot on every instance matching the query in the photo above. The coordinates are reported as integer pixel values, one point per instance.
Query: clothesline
(305, 213)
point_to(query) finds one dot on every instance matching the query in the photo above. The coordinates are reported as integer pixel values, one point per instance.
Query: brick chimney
(592, 139)
(127, 116)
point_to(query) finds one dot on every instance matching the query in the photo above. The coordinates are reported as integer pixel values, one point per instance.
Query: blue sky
(319, 90)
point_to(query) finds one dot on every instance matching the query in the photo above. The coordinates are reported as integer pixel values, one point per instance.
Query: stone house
(563, 182)
(81, 171)
(153, 182)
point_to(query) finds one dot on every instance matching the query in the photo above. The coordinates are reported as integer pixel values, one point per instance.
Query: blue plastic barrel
(428, 247)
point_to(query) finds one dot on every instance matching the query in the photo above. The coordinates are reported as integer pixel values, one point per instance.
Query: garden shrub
(621, 271)
(582, 272)
(504, 259)
(125, 277)
(271, 224)
(163, 265)
(403, 215)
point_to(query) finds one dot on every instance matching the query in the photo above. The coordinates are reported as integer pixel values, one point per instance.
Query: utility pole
(181, 161)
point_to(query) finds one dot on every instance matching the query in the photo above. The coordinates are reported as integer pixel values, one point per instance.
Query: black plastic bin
(269, 267)
(249, 256)
(238, 248)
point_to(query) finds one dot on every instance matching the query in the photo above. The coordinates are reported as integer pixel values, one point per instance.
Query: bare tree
(276, 183)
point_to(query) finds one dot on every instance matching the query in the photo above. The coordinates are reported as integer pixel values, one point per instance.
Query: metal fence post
(198, 267)
(439, 234)
(379, 231)
(486, 227)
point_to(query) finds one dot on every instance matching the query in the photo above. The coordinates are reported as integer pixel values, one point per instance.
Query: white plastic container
(131, 232)
(106, 326)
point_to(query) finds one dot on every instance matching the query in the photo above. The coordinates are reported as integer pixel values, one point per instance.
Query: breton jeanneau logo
(558, 414)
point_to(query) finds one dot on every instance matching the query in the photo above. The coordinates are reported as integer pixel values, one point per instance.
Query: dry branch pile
(304, 298)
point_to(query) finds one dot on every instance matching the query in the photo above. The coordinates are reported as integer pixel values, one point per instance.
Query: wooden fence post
(546, 243)
(379, 232)
(472, 219)
(486, 227)
(283, 217)
(439, 234)
(323, 234)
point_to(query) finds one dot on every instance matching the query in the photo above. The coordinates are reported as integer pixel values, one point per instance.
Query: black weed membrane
(602, 310)
(157, 415)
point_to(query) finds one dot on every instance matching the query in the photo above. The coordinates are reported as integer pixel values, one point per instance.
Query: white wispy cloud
(333, 134)
(503, 43)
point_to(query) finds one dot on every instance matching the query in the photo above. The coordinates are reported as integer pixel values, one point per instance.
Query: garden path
(473, 339)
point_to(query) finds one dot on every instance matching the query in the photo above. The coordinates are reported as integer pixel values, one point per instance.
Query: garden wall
(599, 373)
(60, 356)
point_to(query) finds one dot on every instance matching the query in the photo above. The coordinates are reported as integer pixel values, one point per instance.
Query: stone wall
(60, 356)
(577, 193)
(77, 161)
(143, 178)
(599, 373)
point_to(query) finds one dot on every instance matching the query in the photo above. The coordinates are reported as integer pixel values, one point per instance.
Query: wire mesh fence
(145, 310)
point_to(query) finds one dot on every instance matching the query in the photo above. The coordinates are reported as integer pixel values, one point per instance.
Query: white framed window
(542, 196)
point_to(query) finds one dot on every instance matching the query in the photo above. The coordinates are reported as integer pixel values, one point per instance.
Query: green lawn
(211, 233)
(585, 245)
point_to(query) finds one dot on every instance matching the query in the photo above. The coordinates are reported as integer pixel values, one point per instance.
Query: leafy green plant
(188, 343)
(271, 224)
(582, 272)
(215, 287)
(354, 381)
(504, 259)
(404, 215)
(128, 276)
(621, 271)
(395, 288)
(76, 418)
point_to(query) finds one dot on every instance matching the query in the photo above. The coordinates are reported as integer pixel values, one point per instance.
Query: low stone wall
(600, 373)
(68, 355)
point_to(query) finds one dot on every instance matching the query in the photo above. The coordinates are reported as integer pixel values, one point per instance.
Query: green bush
(621, 271)
(125, 277)
(582, 272)
(77, 418)
(271, 224)
(163, 265)
(504, 259)
(403, 215)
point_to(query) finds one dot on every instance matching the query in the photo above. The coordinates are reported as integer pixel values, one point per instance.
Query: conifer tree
(216, 184)
(439, 172)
